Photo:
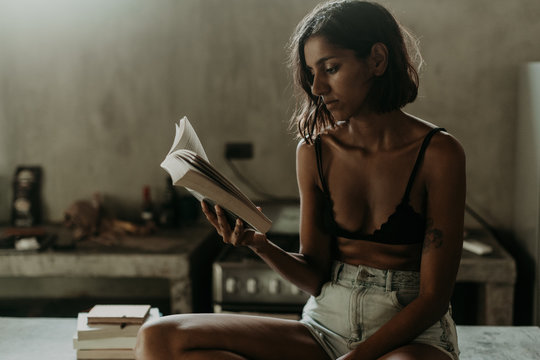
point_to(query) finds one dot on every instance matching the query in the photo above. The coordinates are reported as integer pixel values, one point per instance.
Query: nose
(319, 86)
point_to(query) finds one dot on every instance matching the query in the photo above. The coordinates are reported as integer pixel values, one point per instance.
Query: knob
(273, 286)
(230, 285)
(251, 286)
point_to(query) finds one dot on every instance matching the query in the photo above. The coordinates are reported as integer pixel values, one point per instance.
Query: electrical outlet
(238, 150)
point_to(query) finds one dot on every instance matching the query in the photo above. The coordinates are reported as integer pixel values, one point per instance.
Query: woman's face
(339, 77)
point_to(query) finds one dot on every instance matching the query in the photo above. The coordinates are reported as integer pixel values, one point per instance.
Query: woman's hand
(239, 236)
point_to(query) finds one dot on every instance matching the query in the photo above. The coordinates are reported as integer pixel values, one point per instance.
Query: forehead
(317, 49)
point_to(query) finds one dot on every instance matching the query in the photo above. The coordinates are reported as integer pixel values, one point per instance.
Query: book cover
(87, 331)
(105, 343)
(118, 314)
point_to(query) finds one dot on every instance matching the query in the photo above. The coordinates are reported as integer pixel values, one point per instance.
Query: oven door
(250, 286)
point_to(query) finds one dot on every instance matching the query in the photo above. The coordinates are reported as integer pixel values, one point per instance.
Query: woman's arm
(444, 165)
(309, 268)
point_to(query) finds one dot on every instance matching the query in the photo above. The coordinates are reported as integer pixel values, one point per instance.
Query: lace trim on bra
(403, 226)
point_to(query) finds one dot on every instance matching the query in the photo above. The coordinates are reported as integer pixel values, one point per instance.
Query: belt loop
(338, 272)
(359, 269)
(389, 278)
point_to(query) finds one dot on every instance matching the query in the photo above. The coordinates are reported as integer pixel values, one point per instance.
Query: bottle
(147, 210)
(26, 205)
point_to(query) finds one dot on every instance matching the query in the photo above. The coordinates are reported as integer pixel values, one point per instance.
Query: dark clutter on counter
(88, 220)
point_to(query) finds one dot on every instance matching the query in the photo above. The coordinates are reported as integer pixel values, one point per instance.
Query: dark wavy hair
(354, 25)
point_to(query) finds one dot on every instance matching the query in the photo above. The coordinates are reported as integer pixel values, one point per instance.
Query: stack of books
(110, 331)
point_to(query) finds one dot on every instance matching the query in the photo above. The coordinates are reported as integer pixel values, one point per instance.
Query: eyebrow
(321, 60)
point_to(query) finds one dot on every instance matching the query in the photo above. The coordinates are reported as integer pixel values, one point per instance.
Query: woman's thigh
(416, 351)
(253, 337)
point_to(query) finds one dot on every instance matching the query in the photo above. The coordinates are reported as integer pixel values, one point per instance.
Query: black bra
(404, 226)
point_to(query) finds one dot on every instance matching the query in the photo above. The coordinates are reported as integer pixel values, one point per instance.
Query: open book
(188, 166)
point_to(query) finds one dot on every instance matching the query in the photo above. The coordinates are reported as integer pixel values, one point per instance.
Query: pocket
(323, 291)
(404, 297)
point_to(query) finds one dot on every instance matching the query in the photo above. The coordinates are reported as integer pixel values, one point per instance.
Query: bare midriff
(380, 256)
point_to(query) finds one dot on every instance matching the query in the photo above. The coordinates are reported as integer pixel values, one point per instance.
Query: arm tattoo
(433, 237)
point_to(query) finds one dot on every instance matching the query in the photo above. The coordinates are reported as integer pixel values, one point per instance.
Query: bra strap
(318, 153)
(418, 162)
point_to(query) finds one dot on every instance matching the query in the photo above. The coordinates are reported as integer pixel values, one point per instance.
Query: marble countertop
(51, 339)
(499, 342)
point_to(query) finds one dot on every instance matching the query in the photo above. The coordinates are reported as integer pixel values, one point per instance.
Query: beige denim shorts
(358, 300)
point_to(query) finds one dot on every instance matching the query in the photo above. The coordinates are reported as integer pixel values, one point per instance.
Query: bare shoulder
(332, 137)
(445, 146)
(306, 164)
(326, 136)
(304, 151)
(444, 153)
(329, 138)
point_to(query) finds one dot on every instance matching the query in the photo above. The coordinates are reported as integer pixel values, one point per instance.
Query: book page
(206, 168)
(189, 167)
(214, 193)
(186, 138)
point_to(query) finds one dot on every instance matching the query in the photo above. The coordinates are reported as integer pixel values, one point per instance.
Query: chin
(339, 116)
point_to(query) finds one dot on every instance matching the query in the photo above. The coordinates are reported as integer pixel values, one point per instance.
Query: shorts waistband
(351, 275)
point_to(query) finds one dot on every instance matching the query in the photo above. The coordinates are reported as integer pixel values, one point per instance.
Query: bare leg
(226, 337)
(416, 352)
(211, 354)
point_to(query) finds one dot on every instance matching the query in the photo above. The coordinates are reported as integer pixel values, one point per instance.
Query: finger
(207, 212)
(223, 224)
(210, 216)
(237, 232)
(204, 206)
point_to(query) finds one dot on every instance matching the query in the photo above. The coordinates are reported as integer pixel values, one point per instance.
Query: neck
(377, 132)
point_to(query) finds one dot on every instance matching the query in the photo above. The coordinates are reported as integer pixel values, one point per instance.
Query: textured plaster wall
(90, 90)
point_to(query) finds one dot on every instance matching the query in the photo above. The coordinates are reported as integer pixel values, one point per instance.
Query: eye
(332, 69)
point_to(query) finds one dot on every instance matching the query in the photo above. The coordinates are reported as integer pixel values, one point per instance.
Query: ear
(378, 59)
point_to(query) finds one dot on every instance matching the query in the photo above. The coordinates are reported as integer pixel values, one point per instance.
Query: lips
(330, 103)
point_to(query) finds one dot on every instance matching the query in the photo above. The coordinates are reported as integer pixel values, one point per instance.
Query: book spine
(107, 343)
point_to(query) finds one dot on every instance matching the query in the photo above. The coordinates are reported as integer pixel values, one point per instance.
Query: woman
(382, 203)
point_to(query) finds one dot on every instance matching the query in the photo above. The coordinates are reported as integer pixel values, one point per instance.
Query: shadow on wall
(524, 288)
(5, 197)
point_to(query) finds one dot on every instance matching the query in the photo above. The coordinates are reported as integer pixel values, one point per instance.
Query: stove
(243, 283)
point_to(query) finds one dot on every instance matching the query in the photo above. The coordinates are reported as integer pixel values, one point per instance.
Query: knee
(158, 340)
(415, 351)
(399, 355)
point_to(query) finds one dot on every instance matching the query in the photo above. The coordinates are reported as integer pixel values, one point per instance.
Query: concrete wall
(90, 89)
